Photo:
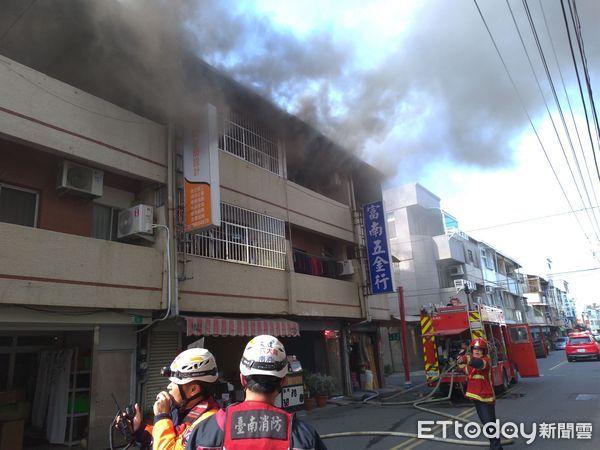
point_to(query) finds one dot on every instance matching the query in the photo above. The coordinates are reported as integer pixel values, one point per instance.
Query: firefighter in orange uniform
(187, 401)
(480, 388)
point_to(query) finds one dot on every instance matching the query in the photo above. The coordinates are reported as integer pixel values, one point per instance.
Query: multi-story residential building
(570, 312)
(565, 304)
(591, 317)
(104, 312)
(436, 261)
(542, 299)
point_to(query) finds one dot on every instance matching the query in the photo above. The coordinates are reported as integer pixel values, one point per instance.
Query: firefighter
(187, 401)
(480, 389)
(256, 423)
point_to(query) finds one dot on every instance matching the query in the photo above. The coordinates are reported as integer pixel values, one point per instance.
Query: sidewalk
(393, 383)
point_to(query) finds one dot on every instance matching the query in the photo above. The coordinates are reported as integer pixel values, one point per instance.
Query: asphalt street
(565, 393)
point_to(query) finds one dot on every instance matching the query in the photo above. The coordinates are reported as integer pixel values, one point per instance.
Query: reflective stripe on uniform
(481, 399)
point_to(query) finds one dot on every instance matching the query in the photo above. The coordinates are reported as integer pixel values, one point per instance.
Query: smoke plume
(438, 93)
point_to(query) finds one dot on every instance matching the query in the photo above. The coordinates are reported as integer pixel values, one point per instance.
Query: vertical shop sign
(377, 248)
(201, 173)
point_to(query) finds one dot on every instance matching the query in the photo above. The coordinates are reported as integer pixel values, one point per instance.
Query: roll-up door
(164, 346)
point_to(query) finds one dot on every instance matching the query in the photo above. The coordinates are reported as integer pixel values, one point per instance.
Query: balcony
(40, 267)
(49, 113)
(325, 297)
(316, 212)
(248, 186)
(222, 287)
(449, 249)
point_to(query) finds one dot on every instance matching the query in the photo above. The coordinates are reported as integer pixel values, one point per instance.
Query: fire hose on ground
(417, 404)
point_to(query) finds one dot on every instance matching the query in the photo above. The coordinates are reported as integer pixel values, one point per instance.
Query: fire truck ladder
(476, 324)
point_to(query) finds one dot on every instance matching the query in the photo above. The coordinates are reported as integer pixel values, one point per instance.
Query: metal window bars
(249, 140)
(245, 237)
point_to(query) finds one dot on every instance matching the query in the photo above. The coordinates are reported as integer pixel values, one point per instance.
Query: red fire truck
(447, 330)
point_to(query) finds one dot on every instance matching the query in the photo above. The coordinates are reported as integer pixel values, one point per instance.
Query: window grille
(244, 237)
(249, 140)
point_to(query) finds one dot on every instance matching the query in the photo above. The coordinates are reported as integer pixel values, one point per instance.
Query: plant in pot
(309, 391)
(320, 386)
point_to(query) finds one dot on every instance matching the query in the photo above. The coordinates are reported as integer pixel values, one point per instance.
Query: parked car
(582, 346)
(560, 343)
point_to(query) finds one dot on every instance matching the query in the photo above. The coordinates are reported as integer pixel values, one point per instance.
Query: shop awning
(449, 332)
(221, 326)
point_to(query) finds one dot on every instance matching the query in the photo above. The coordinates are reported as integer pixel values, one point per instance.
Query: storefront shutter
(164, 347)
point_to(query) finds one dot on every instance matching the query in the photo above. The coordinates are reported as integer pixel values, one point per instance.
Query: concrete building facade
(436, 262)
(74, 297)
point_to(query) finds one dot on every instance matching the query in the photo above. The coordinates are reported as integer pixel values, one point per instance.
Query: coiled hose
(417, 404)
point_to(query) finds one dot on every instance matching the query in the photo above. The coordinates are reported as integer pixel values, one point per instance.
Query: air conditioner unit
(489, 289)
(74, 177)
(459, 284)
(345, 267)
(135, 221)
(456, 270)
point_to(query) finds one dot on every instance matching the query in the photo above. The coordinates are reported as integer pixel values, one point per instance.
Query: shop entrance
(45, 381)
(364, 372)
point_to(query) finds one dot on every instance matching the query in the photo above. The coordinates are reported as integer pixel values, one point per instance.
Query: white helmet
(194, 364)
(264, 355)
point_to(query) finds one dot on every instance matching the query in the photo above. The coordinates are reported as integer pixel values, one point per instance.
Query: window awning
(221, 326)
(449, 332)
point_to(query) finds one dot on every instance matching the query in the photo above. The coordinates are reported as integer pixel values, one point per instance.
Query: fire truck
(448, 330)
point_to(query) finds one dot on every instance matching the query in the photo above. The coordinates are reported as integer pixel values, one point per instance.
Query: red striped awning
(220, 326)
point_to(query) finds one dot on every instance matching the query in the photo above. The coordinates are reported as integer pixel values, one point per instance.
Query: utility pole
(407, 382)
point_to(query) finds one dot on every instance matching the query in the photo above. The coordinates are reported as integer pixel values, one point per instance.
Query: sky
(416, 88)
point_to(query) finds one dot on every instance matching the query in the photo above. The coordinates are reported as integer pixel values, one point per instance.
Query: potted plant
(320, 385)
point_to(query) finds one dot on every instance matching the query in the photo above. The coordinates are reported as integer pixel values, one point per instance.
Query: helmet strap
(185, 399)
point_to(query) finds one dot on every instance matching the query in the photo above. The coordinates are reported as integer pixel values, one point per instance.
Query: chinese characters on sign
(377, 248)
(201, 174)
(258, 424)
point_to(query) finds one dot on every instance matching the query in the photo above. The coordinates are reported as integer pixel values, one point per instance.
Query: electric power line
(529, 117)
(594, 222)
(575, 271)
(577, 27)
(562, 80)
(587, 119)
(531, 219)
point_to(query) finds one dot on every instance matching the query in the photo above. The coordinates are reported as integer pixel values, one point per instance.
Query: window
(580, 341)
(391, 225)
(244, 237)
(249, 140)
(518, 335)
(487, 260)
(105, 221)
(470, 256)
(18, 206)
